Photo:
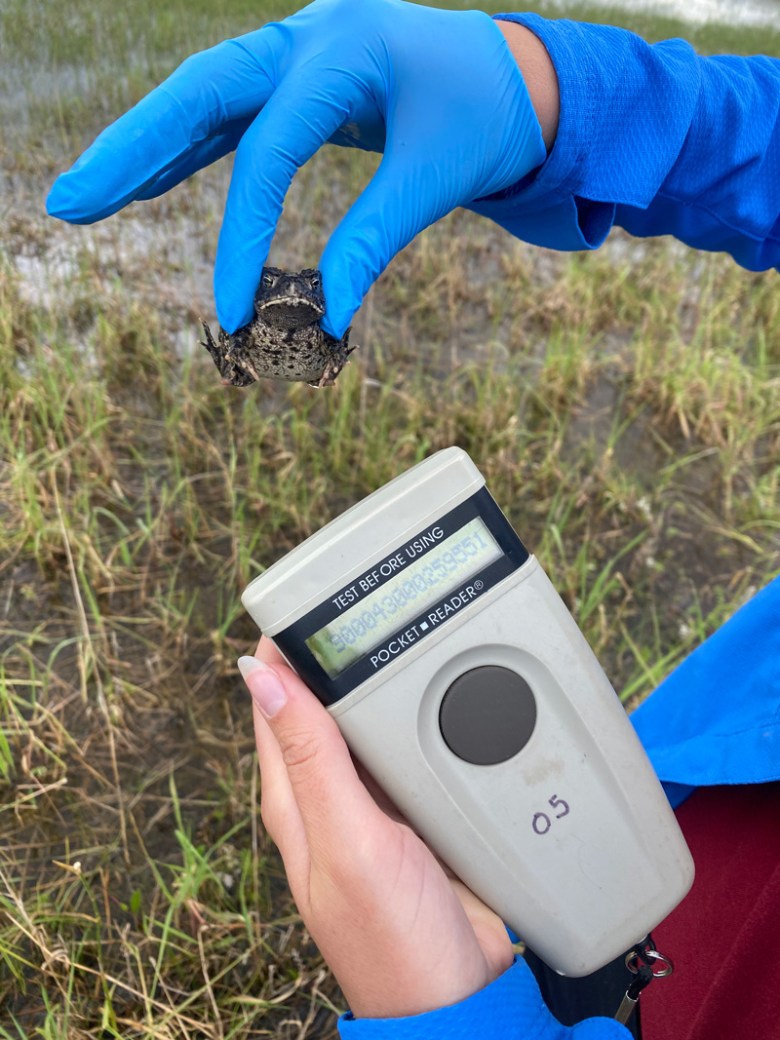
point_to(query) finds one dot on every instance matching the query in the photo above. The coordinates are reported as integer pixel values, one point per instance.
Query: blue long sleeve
(716, 718)
(655, 139)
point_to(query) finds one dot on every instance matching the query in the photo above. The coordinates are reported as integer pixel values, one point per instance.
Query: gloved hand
(437, 91)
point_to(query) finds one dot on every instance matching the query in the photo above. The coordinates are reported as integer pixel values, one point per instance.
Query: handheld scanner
(460, 680)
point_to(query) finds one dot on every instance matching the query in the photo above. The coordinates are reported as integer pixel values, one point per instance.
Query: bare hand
(400, 935)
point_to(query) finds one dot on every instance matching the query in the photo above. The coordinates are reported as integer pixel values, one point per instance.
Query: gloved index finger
(205, 93)
(303, 114)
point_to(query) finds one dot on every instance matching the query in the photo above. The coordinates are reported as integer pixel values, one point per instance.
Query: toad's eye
(315, 280)
(267, 280)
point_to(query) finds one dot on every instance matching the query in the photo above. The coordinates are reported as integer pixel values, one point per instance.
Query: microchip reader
(462, 683)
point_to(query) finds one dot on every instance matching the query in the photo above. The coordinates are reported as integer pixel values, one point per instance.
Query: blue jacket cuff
(511, 1006)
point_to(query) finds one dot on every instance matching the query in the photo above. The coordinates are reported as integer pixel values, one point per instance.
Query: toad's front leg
(232, 373)
(340, 351)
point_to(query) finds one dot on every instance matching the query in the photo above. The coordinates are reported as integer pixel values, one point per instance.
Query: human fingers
(266, 651)
(375, 901)
(278, 807)
(482, 916)
(488, 927)
(208, 91)
(329, 796)
(302, 114)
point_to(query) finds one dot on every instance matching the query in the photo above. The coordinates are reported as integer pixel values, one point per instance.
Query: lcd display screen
(403, 597)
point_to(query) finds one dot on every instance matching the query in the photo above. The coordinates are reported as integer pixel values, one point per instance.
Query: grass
(624, 406)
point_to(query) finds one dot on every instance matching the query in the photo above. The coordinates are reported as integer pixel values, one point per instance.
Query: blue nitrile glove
(437, 91)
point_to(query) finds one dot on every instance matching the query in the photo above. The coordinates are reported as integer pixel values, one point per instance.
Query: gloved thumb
(398, 203)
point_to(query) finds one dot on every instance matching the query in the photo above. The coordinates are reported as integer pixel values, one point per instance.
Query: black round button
(487, 715)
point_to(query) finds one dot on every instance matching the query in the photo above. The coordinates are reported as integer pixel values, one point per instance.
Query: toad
(284, 339)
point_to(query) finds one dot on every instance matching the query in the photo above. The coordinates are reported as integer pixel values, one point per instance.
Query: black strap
(572, 1000)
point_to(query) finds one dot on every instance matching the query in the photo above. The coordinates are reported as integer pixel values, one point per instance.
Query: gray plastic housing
(572, 840)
